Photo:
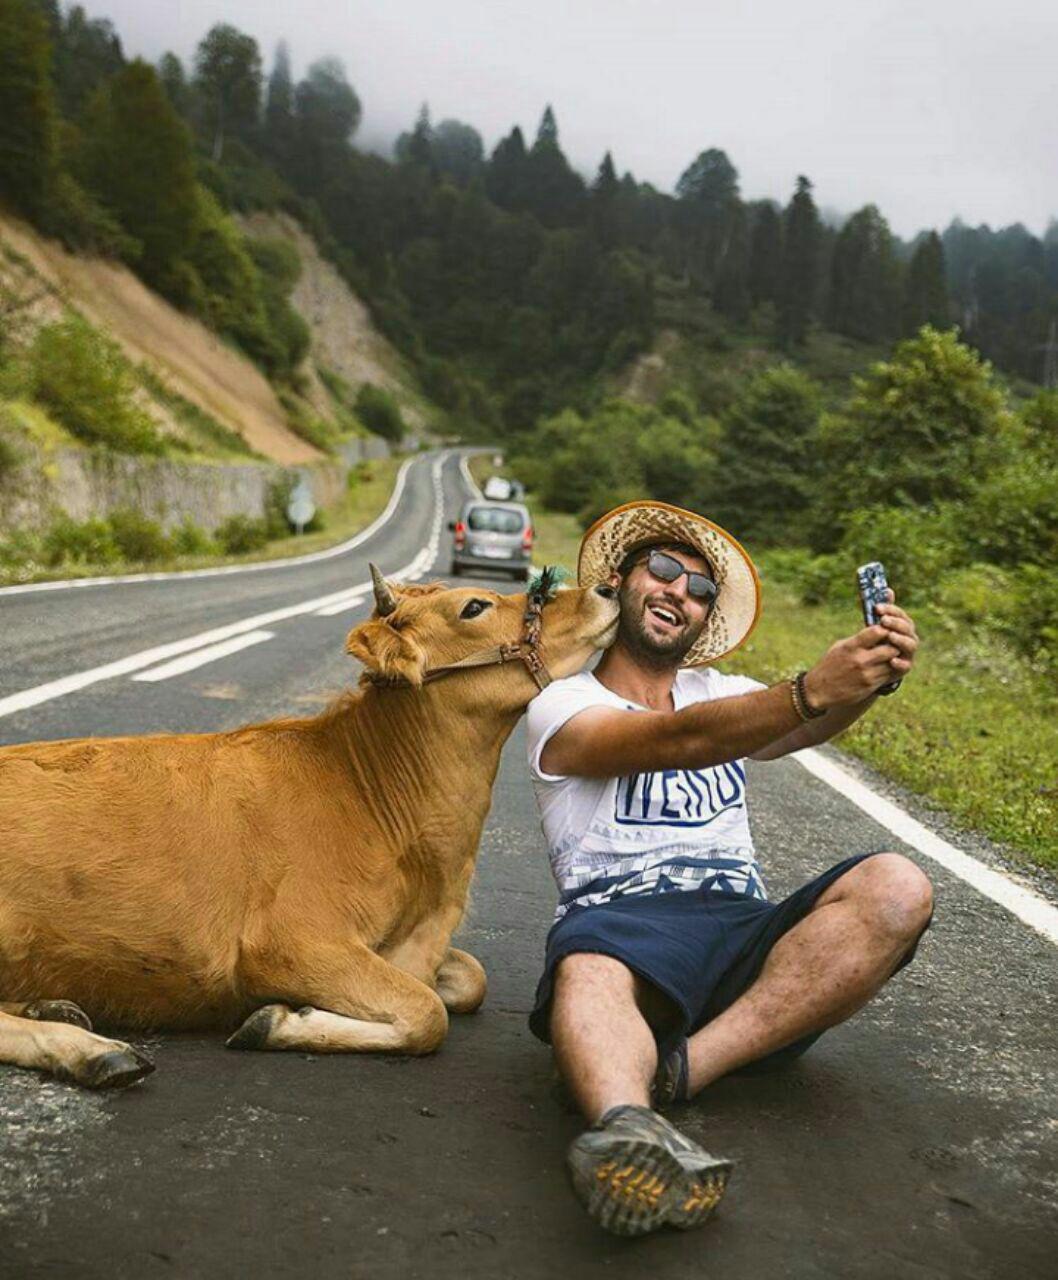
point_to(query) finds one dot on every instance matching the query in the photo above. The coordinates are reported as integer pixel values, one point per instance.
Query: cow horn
(385, 600)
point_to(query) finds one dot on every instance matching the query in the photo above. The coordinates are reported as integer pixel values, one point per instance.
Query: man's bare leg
(632, 1170)
(603, 1044)
(823, 970)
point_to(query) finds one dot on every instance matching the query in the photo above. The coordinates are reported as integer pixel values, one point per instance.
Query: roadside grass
(974, 731)
(364, 500)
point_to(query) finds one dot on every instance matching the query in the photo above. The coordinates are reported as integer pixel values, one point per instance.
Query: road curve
(918, 1140)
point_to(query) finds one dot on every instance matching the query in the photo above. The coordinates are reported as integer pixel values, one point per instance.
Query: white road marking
(1023, 903)
(27, 698)
(343, 606)
(258, 565)
(468, 479)
(201, 656)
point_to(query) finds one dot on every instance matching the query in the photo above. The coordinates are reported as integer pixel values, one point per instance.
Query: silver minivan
(492, 535)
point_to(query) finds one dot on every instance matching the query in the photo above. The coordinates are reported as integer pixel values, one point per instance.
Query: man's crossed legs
(818, 973)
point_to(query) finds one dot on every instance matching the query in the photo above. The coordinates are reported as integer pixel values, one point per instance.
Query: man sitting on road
(667, 967)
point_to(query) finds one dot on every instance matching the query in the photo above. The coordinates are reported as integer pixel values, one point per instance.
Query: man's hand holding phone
(856, 668)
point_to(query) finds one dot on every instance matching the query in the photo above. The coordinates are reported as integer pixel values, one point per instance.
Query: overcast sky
(928, 108)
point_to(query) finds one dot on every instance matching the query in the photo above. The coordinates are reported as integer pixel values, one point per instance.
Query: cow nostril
(607, 593)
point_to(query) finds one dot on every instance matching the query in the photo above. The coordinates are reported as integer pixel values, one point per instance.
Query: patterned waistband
(733, 873)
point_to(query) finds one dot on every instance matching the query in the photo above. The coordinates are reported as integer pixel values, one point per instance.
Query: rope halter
(526, 650)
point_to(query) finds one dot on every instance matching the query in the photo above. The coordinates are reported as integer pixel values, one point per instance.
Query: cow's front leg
(352, 1001)
(70, 1053)
(461, 982)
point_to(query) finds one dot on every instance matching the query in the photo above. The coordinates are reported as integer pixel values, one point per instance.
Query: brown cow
(321, 863)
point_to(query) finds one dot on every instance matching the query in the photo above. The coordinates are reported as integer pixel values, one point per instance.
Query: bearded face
(659, 621)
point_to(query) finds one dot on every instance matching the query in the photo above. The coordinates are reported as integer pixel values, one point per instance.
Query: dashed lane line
(201, 656)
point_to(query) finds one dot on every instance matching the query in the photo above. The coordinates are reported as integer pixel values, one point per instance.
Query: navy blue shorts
(701, 948)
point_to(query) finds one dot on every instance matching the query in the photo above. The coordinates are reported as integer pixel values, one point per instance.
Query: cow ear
(387, 652)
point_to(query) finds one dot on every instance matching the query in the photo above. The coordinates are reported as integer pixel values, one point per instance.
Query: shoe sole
(633, 1186)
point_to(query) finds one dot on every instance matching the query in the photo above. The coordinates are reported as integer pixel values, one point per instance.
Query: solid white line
(201, 656)
(1026, 905)
(259, 565)
(471, 483)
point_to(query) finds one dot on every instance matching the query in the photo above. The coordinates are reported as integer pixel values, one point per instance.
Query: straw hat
(737, 607)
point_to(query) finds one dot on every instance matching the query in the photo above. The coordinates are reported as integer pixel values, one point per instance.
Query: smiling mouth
(669, 618)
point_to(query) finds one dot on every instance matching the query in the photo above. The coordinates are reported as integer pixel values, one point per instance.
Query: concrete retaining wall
(88, 483)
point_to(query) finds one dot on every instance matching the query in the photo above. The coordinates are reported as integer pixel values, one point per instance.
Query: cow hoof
(256, 1031)
(116, 1069)
(59, 1011)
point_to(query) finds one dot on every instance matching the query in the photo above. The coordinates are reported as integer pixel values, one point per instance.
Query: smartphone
(873, 586)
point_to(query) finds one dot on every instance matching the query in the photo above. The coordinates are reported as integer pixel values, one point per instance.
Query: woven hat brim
(737, 607)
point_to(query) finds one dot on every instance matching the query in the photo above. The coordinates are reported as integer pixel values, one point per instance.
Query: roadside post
(301, 506)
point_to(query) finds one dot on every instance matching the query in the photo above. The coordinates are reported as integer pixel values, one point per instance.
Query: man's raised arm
(603, 742)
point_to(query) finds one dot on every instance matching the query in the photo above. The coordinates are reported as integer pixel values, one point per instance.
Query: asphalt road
(917, 1141)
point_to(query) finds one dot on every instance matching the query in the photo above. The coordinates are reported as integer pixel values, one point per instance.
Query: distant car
(498, 489)
(494, 535)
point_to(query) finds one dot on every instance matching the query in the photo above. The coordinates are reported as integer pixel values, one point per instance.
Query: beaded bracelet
(799, 696)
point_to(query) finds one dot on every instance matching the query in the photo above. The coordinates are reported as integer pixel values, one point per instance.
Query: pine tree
(764, 461)
(926, 289)
(87, 52)
(279, 101)
(547, 130)
(604, 212)
(416, 147)
(864, 298)
(138, 160)
(765, 253)
(27, 109)
(708, 195)
(797, 278)
(506, 176)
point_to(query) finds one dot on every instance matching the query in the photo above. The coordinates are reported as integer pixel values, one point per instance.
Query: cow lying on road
(318, 865)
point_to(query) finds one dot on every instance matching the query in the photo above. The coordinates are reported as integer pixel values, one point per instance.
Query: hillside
(193, 362)
(344, 338)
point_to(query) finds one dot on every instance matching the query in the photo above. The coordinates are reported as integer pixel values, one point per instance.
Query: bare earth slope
(344, 337)
(191, 359)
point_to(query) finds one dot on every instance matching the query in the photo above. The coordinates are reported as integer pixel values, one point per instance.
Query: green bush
(20, 554)
(138, 538)
(189, 539)
(917, 430)
(87, 542)
(239, 534)
(975, 593)
(84, 381)
(1012, 516)
(379, 412)
(1033, 619)
(82, 223)
(916, 546)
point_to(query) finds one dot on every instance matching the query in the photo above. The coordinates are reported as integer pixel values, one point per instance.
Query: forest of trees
(510, 280)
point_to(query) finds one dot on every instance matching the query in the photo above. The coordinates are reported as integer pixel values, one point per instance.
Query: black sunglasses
(667, 568)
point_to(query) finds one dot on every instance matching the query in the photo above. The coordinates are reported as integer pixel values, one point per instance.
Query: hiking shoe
(635, 1172)
(670, 1082)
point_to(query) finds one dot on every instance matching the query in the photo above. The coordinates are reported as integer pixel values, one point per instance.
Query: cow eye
(473, 607)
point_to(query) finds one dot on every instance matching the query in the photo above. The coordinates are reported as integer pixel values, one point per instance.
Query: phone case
(873, 586)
